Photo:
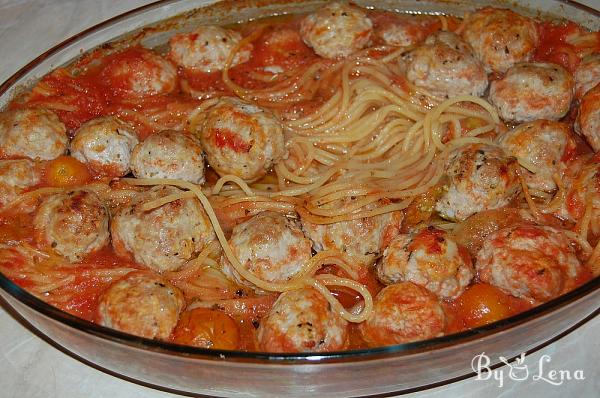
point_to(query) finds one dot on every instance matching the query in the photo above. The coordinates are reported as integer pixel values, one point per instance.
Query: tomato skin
(482, 304)
(207, 328)
(66, 171)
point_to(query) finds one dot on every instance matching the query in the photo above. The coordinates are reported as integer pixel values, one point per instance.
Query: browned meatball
(105, 145)
(403, 312)
(445, 66)
(142, 303)
(270, 246)
(15, 177)
(429, 258)
(169, 154)
(532, 262)
(500, 37)
(33, 133)
(482, 177)
(532, 91)
(163, 238)
(239, 137)
(587, 123)
(336, 30)
(302, 321)
(72, 224)
(542, 145)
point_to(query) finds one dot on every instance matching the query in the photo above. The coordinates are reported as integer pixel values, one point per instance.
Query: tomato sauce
(86, 90)
(556, 46)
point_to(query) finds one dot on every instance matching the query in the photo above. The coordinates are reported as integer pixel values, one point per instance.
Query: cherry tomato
(481, 304)
(66, 171)
(207, 328)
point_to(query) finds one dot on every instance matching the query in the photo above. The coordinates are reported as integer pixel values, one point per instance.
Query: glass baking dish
(190, 370)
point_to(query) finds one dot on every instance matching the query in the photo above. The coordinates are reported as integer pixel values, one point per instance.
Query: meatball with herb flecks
(336, 30)
(362, 239)
(500, 37)
(105, 145)
(238, 137)
(302, 321)
(542, 147)
(33, 133)
(587, 74)
(587, 123)
(72, 224)
(481, 177)
(207, 48)
(169, 154)
(163, 238)
(531, 91)
(403, 312)
(141, 303)
(428, 258)
(139, 72)
(528, 261)
(445, 66)
(270, 246)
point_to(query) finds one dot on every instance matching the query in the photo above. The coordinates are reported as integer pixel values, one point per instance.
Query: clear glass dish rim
(165, 347)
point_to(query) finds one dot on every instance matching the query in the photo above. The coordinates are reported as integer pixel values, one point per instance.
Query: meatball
(531, 91)
(105, 145)
(542, 144)
(16, 176)
(140, 72)
(363, 239)
(142, 303)
(528, 261)
(428, 258)
(72, 224)
(402, 30)
(239, 138)
(164, 238)
(270, 246)
(585, 187)
(482, 177)
(403, 312)
(587, 74)
(336, 30)
(302, 321)
(169, 154)
(33, 133)
(445, 66)
(207, 48)
(500, 37)
(587, 123)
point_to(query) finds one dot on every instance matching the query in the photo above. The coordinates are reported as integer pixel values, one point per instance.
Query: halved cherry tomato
(207, 328)
(66, 171)
(481, 304)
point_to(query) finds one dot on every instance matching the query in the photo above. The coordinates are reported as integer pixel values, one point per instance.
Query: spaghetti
(296, 282)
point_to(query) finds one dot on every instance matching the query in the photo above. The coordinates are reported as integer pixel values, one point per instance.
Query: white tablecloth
(30, 368)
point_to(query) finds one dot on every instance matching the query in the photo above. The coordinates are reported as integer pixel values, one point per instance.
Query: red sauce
(228, 139)
(555, 46)
(87, 90)
(430, 239)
